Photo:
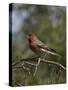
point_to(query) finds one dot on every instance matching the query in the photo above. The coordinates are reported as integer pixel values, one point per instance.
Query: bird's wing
(48, 50)
(42, 46)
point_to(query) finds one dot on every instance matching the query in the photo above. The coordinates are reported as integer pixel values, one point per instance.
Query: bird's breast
(34, 47)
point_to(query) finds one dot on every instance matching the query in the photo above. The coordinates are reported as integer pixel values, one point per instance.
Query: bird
(39, 48)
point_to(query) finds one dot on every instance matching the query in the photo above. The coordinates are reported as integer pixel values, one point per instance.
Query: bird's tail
(56, 54)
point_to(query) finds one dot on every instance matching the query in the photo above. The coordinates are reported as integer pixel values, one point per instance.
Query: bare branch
(35, 59)
(55, 63)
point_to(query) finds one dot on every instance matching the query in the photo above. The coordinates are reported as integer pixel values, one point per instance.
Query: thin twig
(37, 66)
(25, 62)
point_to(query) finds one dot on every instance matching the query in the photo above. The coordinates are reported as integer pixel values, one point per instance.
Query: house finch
(39, 47)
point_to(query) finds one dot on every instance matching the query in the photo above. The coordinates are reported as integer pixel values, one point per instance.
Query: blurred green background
(49, 24)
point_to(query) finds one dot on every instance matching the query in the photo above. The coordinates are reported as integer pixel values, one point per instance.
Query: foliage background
(49, 24)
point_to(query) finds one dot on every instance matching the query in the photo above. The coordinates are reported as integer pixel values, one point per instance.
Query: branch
(27, 61)
(55, 63)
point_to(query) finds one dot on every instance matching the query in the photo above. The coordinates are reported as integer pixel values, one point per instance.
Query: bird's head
(31, 36)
